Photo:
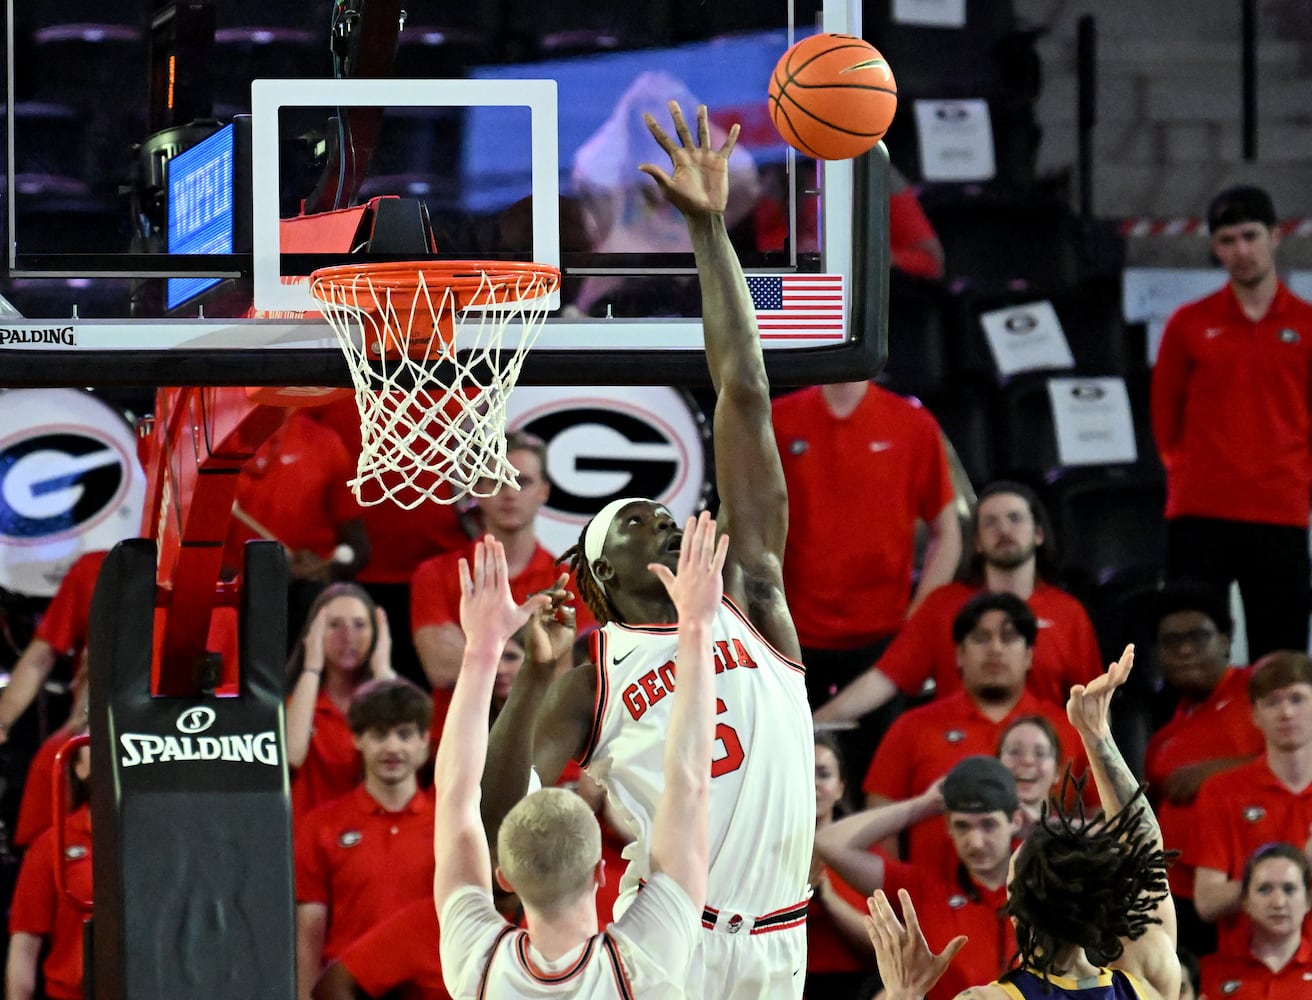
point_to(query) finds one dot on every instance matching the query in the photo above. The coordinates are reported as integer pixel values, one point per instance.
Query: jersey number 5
(725, 734)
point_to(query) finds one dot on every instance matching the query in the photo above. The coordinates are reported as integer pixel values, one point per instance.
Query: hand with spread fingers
(697, 586)
(907, 966)
(549, 634)
(699, 184)
(488, 610)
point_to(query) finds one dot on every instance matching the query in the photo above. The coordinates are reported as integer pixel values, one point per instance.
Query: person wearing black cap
(1078, 892)
(983, 819)
(1233, 423)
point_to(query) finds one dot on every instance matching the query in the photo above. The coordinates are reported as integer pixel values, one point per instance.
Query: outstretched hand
(1089, 705)
(549, 634)
(907, 966)
(699, 184)
(697, 587)
(488, 611)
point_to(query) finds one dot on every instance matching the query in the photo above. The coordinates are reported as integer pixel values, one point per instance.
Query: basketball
(832, 97)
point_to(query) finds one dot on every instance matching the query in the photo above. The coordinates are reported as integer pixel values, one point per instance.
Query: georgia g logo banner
(609, 442)
(70, 483)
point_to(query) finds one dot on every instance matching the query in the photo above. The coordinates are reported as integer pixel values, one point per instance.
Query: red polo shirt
(1243, 977)
(64, 623)
(39, 908)
(827, 950)
(332, 764)
(1065, 651)
(945, 909)
(1220, 726)
(925, 743)
(1230, 410)
(848, 574)
(363, 862)
(1238, 811)
(400, 953)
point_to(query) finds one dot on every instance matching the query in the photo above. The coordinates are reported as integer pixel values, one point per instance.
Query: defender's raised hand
(1089, 705)
(699, 184)
(487, 609)
(907, 966)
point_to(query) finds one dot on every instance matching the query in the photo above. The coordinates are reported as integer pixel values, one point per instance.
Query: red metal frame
(199, 441)
(59, 810)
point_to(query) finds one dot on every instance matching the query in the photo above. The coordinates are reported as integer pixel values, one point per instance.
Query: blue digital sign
(200, 207)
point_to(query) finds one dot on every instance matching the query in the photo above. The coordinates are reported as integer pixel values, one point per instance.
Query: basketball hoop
(424, 344)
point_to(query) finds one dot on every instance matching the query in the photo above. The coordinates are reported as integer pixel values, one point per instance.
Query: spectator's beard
(994, 694)
(1011, 558)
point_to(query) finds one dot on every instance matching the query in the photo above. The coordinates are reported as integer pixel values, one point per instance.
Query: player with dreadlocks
(612, 715)
(1076, 889)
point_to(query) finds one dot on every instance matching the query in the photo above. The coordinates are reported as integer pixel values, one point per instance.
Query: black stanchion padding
(190, 806)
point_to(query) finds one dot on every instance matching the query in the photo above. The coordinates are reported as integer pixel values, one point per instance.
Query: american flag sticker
(798, 306)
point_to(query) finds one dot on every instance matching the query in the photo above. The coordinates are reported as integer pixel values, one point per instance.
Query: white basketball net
(433, 426)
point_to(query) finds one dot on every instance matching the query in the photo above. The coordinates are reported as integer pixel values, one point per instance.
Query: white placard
(1149, 293)
(1093, 421)
(935, 13)
(956, 140)
(1026, 337)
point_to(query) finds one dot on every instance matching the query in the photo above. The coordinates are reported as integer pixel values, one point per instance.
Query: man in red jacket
(1233, 422)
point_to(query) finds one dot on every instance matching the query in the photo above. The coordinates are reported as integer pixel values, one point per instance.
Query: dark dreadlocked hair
(1072, 880)
(589, 587)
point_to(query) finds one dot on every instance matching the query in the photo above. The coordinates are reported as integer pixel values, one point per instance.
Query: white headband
(594, 539)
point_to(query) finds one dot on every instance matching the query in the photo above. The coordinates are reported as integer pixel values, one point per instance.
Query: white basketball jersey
(762, 801)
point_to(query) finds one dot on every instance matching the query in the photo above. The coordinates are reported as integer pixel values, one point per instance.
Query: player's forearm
(866, 693)
(1116, 784)
(688, 741)
(733, 349)
(510, 746)
(462, 751)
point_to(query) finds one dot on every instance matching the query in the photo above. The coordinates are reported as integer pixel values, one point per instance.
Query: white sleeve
(469, 925)
(657, 934)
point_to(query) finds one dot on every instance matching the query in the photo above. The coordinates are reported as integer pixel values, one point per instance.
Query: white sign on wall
(956, 140)
(1093, 421)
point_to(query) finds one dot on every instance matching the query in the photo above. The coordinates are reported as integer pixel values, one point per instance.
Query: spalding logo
(195, 720)
(58, 483)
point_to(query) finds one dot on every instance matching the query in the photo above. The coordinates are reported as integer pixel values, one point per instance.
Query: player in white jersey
(549, 846)
(614, 713)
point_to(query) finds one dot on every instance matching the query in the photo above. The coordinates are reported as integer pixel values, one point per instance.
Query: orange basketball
(832, 97)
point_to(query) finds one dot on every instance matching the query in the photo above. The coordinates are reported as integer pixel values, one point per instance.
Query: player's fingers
(664, 575)
(703, 127)
(680, 125)
(731, 141)
(721, 553)
(950, 952)
(909, 913)
(659, 134)
(466, 580)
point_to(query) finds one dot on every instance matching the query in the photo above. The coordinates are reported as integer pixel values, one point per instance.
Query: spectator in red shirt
(294, 491)
(968, 896)
(42, 920)
(1265, 800)
(1030, 748)
(850, 584)
(1012, 541)
(1278, 962)
(839, 958)
(62, 632)
(1210, 731)
(994, 634)
(345, 643)
(361, 857)
(1232, 414)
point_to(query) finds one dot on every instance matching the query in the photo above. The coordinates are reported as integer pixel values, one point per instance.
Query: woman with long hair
(345, 642)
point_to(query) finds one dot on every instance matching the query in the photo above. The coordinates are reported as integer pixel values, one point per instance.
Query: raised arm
(548, 636)
(845, 845)
(753, 497)
(1151, 957)
(680, 838)
(489, 617)
(305, 692)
